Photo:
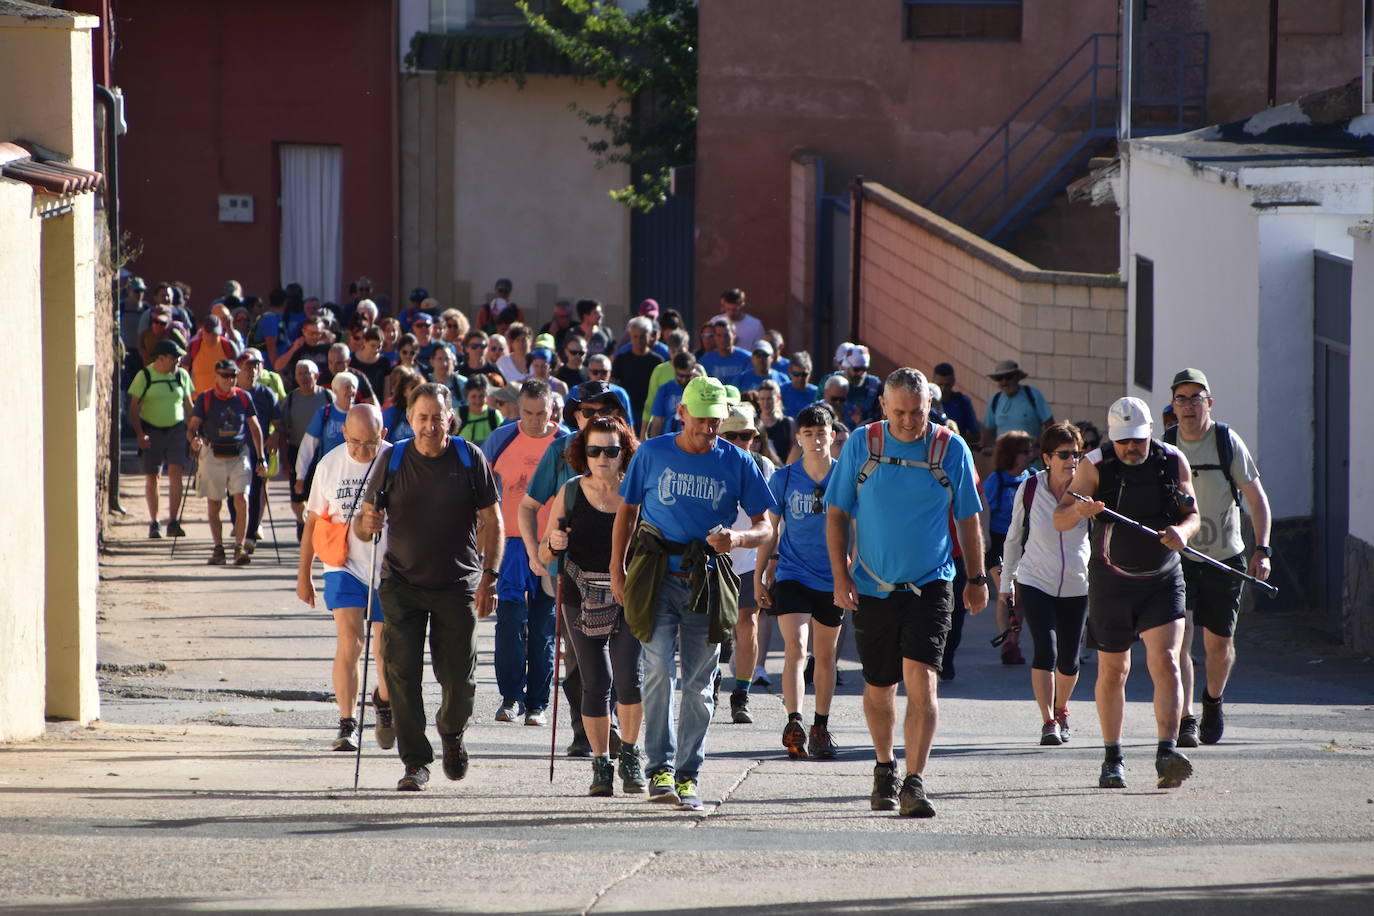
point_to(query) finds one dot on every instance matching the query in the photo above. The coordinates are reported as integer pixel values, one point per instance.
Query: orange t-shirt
(203, 359)
(515, 466)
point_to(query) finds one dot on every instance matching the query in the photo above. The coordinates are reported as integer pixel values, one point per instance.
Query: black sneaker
(1049, 734)
(821, 745)
(886, 789)
(154, 530)
(1187, 732)
(455, 757)
(414, 780)
(580, 746)
(1213, 721)
(1113, 775)
(217, 557)
(631, 769)
(662, 787)
(794, 739)
(912, 798)
(385, 729)
(739, 708)
(603, 778)
(174, 530)
(1172, 769)
(348, 735)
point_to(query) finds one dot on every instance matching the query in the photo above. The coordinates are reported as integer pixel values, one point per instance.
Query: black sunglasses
(604, 411)
(1132, 441)
(799, 374)
(818, 500)
(577, 352)
(1064, 454)
(596, 451)
(227, 374)
(684, 377)
(743, 435)
(598, 371)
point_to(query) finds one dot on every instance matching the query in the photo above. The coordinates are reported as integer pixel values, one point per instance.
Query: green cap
(732, 396)
(1190, 377)
(544, 341)
(705, 397)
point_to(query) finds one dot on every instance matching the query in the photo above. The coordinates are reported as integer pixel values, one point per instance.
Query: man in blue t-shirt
(669, 396)
(799, 393)
(900, 586)
(690, 487)
(1014, 406)
(727, 360)
(762, 368)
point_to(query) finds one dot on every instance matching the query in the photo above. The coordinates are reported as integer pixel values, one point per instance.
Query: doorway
(312, 219)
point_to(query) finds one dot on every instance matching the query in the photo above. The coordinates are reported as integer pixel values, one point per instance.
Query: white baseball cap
(1128, 418)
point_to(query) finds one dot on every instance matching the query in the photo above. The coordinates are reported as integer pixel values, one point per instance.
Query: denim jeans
(524, 632)
(699, 658)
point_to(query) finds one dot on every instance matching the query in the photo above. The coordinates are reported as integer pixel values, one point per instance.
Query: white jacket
(1055, 562)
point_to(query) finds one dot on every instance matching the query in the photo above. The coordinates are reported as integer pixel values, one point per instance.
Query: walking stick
(1273, 590)
(557, 647)
(367, 652)
(271, 525)
(181, 510)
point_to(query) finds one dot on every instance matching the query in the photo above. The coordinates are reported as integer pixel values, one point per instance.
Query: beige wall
(933, 292)
(497, 181)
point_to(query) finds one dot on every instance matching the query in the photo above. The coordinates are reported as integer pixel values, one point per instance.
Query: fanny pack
(226, 449)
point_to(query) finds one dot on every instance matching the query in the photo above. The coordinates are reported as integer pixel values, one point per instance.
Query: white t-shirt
(748, 331)
(1220, 535)
(746, 558)
(512, 373)
(338, 481)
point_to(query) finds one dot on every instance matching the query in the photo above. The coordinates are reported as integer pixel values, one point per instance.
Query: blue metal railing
(1036, 151)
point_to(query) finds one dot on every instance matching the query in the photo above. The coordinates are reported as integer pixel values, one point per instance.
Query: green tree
(651, 57)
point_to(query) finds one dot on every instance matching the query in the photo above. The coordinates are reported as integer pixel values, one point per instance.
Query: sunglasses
(407, 352)
(450, 324)
(1132, 441)
(477, 345)
(596, 451)
(577, 352)
(605, 411)
(799, 374)
(227, 374)
(744, 435)
(818, 501)
(598, 371)
(1065, 455)
(684, 378)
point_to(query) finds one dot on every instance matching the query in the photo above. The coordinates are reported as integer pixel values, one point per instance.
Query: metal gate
(1331, 391)
(662, 251)
(832, 278)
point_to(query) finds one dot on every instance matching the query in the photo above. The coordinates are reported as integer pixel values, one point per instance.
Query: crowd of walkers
(667, 503)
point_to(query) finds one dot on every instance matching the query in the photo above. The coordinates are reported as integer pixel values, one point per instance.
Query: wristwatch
(984, 579)
(492, 573)
(1266, 550)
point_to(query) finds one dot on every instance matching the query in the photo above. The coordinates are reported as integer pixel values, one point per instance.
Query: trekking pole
(557, 646)
(1273, 590)
(271, 525)
(367, 643)
(181, 510)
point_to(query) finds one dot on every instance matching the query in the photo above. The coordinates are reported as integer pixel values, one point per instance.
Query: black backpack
(1226, 453)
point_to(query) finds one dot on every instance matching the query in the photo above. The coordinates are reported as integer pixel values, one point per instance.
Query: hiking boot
(1011, 654)
(241, 556)
(1213, 721)
(174, 530)
(154, 530)
(603, 778)
(822, 746)
(217, 557)
(794, 739)
(631, 769)
(1172, 768)
(348, 735)
(662, 788)
(509, 711)
(1049, 735)
(579, 746)
(414, 780)
(385, 729)
(739, 708)
(912, 798)
(886, 788)
(455, 757)
(1061, 715)
(1113, 775)
(1187, 731)
(250, 545)
(687, 794)
(539, 715)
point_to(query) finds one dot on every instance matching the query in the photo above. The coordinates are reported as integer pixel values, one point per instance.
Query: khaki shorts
(220, 475)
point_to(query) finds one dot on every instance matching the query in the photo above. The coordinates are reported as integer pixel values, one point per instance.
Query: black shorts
(791, 597)
(1120, 609)
(291, 452)
(165, 446)
(1214, 596)
(902, 625)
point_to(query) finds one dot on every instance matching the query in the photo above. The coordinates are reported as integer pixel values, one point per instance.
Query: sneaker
(455, 757)
(385, 729)
(739, 708)
(794, 739)
(348, 735)
(886, 788)
(1011, 654)
(241, 556)
(687, 795)
(1213, 721)
(1187, 731)
(1049, 735)
(912, 798)
(662, 788)
(414, 780)
(1113, 775)
(1172, 768)
(174, 530)
(250, 545)
(1061, 716)
(217, 557)
(809, 672)
(603, 778)
(631, 769)
(154, 530)
(539, 715)
(580, 746)
(761, 678)
(822, 746)
(509, 711)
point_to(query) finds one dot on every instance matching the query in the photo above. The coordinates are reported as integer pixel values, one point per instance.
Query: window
(963, 20)
(447, 16)
(1144, 322)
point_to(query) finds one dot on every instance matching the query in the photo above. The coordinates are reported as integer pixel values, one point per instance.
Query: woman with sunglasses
(408, 351)
(573, 371)
(497, 349)
(607, 652)
(1045, 577)
(794, 585)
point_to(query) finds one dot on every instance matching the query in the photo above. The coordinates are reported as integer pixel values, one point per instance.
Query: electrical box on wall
(236, 208)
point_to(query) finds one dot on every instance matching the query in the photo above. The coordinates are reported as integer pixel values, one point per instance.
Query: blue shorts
(343, 589)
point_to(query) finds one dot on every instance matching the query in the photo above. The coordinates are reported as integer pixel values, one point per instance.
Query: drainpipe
(1123, 131)
(1368, 56)
(1273, 85)
(856, 209)
(106, 100)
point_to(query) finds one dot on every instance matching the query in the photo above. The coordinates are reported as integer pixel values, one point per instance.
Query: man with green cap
(682, 493)
(159, 405)
(1223, 473)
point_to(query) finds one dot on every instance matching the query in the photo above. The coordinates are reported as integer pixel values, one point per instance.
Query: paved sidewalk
(210, 787)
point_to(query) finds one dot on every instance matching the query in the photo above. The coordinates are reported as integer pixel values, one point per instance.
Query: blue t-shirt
(552, 471)
(903, 513)
(749, 380)
(666, 399)
(959, 408)
(265, 406)
(725, 367)
(685, 496)
(660, 348)
(269, 325)
(863, 400)
(795, 400)
(1026, 411)
(397, 426)
(999, 491)
(802, 554)
(328, 431)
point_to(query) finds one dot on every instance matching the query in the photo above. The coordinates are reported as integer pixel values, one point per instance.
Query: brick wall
(933, 292)
(801, 261)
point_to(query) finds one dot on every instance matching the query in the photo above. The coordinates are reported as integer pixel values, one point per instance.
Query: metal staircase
(1048, 140)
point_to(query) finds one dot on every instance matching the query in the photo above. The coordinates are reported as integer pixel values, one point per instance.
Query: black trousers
(450, 615)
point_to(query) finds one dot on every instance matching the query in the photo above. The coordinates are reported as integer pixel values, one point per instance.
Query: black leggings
(602, 659)
(1051, 619)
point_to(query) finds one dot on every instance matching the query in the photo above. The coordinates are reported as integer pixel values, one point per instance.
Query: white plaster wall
(1362, 355)
(531, 203)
